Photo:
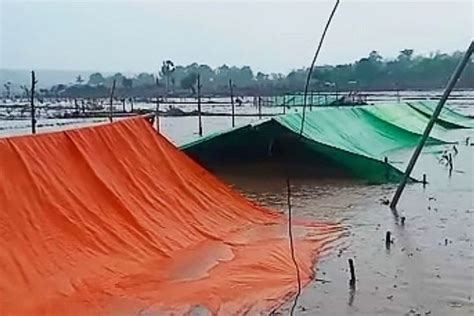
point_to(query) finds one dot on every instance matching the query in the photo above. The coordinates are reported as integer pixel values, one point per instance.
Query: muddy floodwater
(428, 268)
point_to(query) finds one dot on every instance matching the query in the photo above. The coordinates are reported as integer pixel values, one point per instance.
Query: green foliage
(127, 83)
(189, 82)
(79, 79)
(96, 79)
(373, 72)
(144, 80)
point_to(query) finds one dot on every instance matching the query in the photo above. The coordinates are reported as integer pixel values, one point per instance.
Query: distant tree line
(406, 72)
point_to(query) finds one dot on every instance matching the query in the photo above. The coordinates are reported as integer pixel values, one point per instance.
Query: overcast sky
(272, 36)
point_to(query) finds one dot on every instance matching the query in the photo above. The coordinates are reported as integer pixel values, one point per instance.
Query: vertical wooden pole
(157, 113)
(131, 105)
(111, 109)
(33, 108)
(311, 102)
(123, 105)
(452, 82)
(388, 239)
(232, 101)
(259, 107)
(199, 103)
(284, 106)
(352, 280)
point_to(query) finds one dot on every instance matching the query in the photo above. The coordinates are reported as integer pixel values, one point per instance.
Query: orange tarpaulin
(114, 220)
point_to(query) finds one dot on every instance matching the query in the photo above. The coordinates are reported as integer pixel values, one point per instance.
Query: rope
(290, 217)
(292, 248)
(308, 78)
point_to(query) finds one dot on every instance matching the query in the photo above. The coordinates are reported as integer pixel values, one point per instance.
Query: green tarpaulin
(447, 118)
(407, 118)
(355, 139)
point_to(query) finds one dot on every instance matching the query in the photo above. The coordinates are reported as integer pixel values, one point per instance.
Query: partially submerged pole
(111, 113)
(388, 239)
(157, 113)
(452, 82)
(352, 281)
(33, 108)
(232, 101)
(259, 107)
(199, 103)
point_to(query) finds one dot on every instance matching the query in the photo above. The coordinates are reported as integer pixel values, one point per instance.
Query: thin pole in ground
(32, 100)
(111, 109)
(232, 101)
(352, 280)
(199, 103)
(157, 113)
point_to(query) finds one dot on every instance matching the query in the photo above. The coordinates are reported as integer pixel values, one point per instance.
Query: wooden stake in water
(111, 113)
(259, 107)
(388, 239)
(352, 281)
(232, 101)
(199, 103)
(452, 82)
(157, 113)
(33, 108)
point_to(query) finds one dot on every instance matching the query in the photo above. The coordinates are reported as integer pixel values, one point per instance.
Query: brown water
(428, 270)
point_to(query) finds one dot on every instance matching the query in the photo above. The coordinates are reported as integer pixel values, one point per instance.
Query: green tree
(96, 79)
(79, 79)
(167, 70)
(127, 83)
(7, 85)
(144, 80)
(189, 82)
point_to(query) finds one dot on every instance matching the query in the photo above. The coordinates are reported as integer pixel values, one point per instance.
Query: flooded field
(429, 267)
(184, 129)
